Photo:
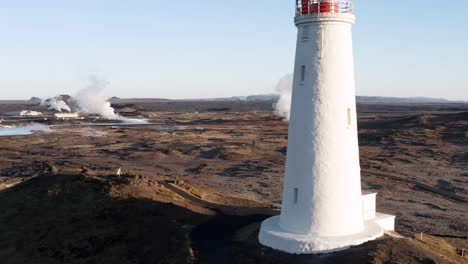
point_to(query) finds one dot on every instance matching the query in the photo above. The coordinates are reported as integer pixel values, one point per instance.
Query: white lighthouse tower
(323, 209)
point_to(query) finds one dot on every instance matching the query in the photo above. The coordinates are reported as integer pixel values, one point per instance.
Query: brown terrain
(198, 180)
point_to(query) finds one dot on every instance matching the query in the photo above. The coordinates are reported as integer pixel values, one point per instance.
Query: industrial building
(23, 113)
(66, 116)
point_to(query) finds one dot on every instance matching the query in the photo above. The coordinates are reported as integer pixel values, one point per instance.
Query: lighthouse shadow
(245, 248)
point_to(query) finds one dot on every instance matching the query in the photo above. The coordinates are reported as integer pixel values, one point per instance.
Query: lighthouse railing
(308, 7)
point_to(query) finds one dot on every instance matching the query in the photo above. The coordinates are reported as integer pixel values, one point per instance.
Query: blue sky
(193, 49)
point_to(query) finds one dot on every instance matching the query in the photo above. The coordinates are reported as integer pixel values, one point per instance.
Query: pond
(23, 130)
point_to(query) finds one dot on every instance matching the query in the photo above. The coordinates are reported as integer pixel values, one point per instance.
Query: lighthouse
(323, 207)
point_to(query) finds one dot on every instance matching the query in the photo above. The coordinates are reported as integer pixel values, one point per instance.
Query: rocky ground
(199, 179)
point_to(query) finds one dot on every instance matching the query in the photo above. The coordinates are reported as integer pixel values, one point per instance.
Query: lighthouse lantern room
(323, 208)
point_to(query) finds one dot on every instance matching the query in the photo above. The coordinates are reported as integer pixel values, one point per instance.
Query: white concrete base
(368, 206)
(272, 235)
(387, 222)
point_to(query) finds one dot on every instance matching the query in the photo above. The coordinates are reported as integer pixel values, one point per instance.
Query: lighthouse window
(305, 32)
(303, 69)
(296, 195)
(349, 117)
(320, 43)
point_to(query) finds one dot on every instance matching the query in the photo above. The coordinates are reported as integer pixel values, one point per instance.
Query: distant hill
(116, 100)
(35, 101)
(359, 99)
(263, 97)
(259, 97)
(380, 99)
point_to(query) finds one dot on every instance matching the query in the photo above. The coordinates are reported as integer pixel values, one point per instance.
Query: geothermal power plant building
(323, 208)
(23, 113)
(66, 116)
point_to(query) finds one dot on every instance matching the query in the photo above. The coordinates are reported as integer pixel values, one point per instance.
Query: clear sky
(194, 49)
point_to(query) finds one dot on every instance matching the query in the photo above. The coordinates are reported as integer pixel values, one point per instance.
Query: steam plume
(91, 100)
(56, 103)
(284, 88)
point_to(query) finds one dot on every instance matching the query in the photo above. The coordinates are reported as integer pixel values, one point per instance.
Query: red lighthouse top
(306, 7)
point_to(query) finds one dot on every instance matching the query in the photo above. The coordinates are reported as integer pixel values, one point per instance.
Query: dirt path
(220, 208)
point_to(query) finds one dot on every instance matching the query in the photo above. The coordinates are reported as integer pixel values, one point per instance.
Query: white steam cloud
(284, 88)
(56, 103)
(91, 100)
